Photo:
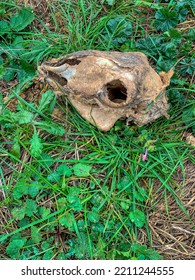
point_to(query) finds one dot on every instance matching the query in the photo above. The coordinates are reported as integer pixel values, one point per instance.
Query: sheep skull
(107, 86)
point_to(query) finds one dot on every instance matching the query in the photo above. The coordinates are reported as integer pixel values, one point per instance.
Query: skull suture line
(107, 86)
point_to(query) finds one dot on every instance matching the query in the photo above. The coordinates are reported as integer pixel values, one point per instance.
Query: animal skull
(107, 86)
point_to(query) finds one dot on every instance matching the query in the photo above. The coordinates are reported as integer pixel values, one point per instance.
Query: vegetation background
(67, 190)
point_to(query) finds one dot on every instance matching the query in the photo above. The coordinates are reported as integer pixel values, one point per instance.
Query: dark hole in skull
(70, 61)
(60, 80)
(117, 93)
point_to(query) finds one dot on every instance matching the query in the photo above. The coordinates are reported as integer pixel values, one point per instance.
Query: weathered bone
(107, 86)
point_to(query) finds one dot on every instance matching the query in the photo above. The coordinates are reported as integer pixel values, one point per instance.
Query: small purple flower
(144, 156)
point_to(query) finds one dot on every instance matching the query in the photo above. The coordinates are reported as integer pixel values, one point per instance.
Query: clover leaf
(165, 19)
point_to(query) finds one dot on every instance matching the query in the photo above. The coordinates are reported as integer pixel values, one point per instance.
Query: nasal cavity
(60, 80)
(117, 92)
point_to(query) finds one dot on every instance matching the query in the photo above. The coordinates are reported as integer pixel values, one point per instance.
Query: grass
(69, 191)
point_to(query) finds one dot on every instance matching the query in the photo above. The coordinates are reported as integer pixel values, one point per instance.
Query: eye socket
(117, 92)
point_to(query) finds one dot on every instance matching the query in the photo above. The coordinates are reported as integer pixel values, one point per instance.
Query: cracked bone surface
(107, 86)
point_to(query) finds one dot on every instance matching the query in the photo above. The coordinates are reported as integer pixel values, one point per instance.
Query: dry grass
(173, 233)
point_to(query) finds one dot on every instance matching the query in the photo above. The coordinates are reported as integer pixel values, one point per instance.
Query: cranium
(107, 86)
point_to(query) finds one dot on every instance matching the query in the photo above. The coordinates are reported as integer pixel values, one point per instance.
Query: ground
(68, 190)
